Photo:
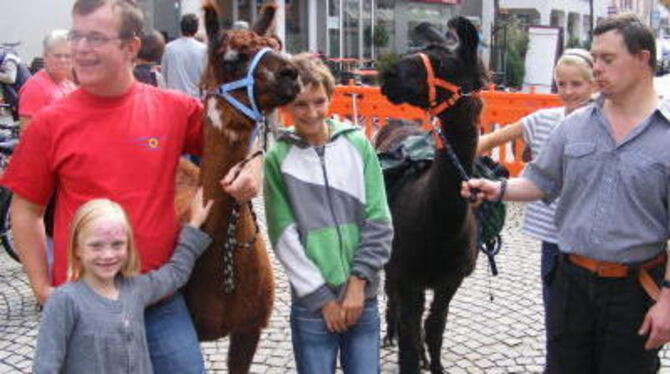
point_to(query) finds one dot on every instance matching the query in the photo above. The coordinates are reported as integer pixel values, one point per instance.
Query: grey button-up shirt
(614, 197)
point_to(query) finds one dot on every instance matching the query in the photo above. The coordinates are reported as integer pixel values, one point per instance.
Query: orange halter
(434, 82)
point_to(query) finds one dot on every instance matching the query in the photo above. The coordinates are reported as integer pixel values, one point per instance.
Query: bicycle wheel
(6, 238)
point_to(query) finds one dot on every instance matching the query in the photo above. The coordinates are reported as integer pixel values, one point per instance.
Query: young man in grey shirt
(184, 59)
(610, 163)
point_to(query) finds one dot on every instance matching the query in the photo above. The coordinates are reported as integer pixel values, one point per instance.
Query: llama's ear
(425, 33)
(212, 25)
(265, 21)
(467, 35)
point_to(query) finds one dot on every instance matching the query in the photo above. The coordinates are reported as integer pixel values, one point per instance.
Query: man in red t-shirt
(51, 83)
(118, 139)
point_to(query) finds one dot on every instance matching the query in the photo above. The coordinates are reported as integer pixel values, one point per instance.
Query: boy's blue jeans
(171, 337)
(315, 348)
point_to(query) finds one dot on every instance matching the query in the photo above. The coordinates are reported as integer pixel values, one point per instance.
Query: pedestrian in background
(610, 164)
(13, 75)
(185, 58)
(95, 322)
(330, 226)
(51, 83)
(147, 66)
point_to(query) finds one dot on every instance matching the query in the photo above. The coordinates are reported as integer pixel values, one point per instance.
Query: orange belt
(606, 269)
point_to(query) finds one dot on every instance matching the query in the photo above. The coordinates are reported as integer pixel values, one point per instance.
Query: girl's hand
(199, 211)
(42, 294)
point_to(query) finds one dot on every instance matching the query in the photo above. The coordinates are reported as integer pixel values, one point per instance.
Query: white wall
(28, 21)
(191, 6)
(487, 25)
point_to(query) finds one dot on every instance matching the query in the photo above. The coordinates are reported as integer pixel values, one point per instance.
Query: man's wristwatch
(503, 189)
(665, 283)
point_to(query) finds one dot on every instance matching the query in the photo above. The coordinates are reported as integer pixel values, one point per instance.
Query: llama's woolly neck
(234, 126)
(459, 125)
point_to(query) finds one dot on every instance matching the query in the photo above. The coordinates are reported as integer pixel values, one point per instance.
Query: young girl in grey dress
(95, 322)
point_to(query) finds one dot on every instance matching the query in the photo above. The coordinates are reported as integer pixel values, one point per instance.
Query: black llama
(434, 245)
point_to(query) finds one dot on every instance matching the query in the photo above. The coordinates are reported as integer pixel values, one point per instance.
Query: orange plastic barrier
(368, 108)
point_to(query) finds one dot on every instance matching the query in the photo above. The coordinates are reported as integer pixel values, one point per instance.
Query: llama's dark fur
(434, 244)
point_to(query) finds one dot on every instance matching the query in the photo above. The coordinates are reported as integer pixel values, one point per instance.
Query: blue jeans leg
(171, 337)
(359, 352)
(315, 348)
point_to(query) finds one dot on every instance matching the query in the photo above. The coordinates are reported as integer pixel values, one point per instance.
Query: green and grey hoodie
(327, 213)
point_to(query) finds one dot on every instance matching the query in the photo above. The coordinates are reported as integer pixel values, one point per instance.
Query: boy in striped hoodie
(330, 226)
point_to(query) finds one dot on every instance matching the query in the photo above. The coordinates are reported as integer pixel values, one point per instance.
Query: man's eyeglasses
(93, 39)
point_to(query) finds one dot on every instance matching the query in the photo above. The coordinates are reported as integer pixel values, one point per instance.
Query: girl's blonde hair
(579, 58)
(86, 214)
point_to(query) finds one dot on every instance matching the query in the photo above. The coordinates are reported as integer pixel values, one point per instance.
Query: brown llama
(217, 310)
(434, 244)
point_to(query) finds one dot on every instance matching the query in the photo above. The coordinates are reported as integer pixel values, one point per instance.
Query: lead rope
(479, 213)
(231, 242)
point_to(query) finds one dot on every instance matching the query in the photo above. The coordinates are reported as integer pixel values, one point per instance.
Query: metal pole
(341, 13)
(360, 29)
(280, 20)
(373, 10)
(590, 20)
(327, 51)
(312, 33)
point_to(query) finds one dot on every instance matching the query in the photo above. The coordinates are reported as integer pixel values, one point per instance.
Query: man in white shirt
(184, 59)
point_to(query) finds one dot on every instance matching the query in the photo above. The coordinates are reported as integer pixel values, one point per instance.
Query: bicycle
(9, 138)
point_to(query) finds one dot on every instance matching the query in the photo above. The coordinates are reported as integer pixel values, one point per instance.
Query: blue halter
(252, 112)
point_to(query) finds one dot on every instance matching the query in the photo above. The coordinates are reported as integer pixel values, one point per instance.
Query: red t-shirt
(124, 148)
(40, 90)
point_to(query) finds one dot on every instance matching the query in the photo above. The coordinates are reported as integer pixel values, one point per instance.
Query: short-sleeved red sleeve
(194, 142)
(30, 173)
(33, 97)
(41, 91)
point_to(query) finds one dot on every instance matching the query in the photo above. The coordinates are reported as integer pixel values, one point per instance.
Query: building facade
(365, 29)
(359, 29)
(572, 16)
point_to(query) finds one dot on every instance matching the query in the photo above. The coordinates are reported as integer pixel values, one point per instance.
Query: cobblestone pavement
(503, 335)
